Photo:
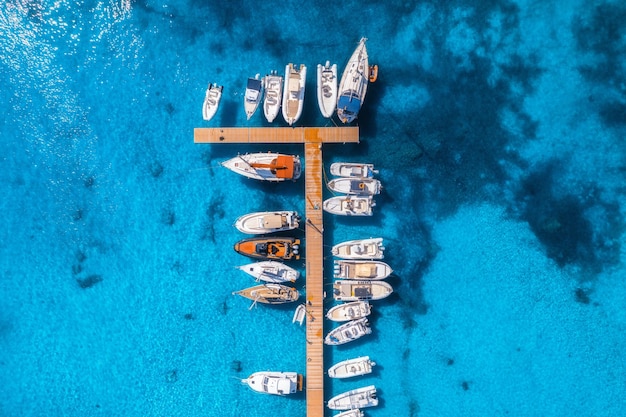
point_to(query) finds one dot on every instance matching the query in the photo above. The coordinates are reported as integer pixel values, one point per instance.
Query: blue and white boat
(353, 85)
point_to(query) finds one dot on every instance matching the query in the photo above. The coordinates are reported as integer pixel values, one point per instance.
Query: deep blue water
(498, 128)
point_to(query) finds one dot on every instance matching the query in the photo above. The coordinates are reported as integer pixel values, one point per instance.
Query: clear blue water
(498, 127)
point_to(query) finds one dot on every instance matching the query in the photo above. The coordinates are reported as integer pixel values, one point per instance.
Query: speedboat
(269, 294)
(273, 95)
(293, 93)
(349, 290)
(361, 270)
(352, 367)
(371, 248)
(327, 88)
(277, 383)
(252, 98)
(269, 248)
(348, 332)
(353, 85)
(356, 398)
(355, 186)
(211, 101)
(349, 311)
(349, 205)
(352, 170)
(267, 222)
(266, 166)
(270, 271)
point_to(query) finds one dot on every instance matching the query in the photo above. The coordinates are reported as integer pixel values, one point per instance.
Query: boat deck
(312, 138)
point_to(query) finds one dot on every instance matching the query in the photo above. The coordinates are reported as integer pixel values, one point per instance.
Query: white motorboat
(349, 311)
(350, 290)
(356, 186)
(350, 413)
(266, 166)
(356, 398)
(269, 294)
(353, 85)
(211, 101)
(252, 98)
(271, 271)
(273, 95)
(276, 383)
(267, 222)
(293, 93)
(361, 270)
(327, 88)
(352, 170)
(371, 248)
(348, 332)
(352, 367)
(349, 205)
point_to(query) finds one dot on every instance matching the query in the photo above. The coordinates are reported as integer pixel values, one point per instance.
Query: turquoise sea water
(498, 128)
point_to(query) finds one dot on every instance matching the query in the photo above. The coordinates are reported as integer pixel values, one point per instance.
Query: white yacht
(352, 367)
(348, 332)
(293, 93)
(361, 270)
(276, 383)
(254, 92)
(349, 311)
(371, 248)
(355, 186)
(267, 222)
(266, 166)
(327, 88)
(270, 271)
(211, 101)
(352, 170)
(356, 398)
(353, 85)
(273, 95)
(349, 205)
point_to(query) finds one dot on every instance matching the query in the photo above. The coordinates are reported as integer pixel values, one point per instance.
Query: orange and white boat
(266, 166)
(269, 247)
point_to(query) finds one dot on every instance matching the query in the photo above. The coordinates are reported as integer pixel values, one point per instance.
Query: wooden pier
(312, 138)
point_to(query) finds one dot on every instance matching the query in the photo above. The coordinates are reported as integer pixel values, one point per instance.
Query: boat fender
(295, 251)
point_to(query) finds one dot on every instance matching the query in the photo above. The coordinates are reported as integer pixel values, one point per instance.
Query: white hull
(360, 249)
(273, 96)
(258, 166)
(355, 186)
(267, 222)
(351, 367)
(349, 311)
(327, 88)
(356, 398)
(293, 93)
(211, 101)
(276, 383)
(252, 98)
(349, 290)
(271, 271)
(353, 85)
(350, 413)
(348, 332)
(361, 270)
(352, 170)
(349, 206)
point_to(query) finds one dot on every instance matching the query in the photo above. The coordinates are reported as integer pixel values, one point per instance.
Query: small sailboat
(327, 88)
(371, 248)
(352, 170)
(267, 222)
(269, 294)
(254, 92)
(266, 166)
(355, 186)
(271, 271)
(276, 383)
(349, 311)
(293, 93)
(348, 332)
(349, 290)
(361, 270)
(273, 95)
(269, 248)
(211, 101)
(356, 398)
(352, 367)
(353, 85)
(349, 205)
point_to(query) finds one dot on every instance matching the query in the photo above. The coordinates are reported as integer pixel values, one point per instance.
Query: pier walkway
(312, 138)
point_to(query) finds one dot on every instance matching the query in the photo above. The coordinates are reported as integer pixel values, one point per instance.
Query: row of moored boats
(287, 93)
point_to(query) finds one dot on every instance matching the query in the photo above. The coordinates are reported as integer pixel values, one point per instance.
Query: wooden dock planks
(276, 134)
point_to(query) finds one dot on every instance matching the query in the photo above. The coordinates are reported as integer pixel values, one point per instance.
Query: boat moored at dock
(266, 166)
(355, 186)
(371, 248)
(271, 271)
(293, 93)
(349, 205)
(348, 332)
(353, 85)
(267, 222)
(352, 367)
(349, 311)
(273, 95)
(327, 88)
(356, 398)
(252, 97)
(361, 270)
(349, 290)
(352, 170)
(269, 248)
(269, 294)
(276, 383)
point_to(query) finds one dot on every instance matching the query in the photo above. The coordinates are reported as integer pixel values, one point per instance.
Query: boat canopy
(282, 166)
